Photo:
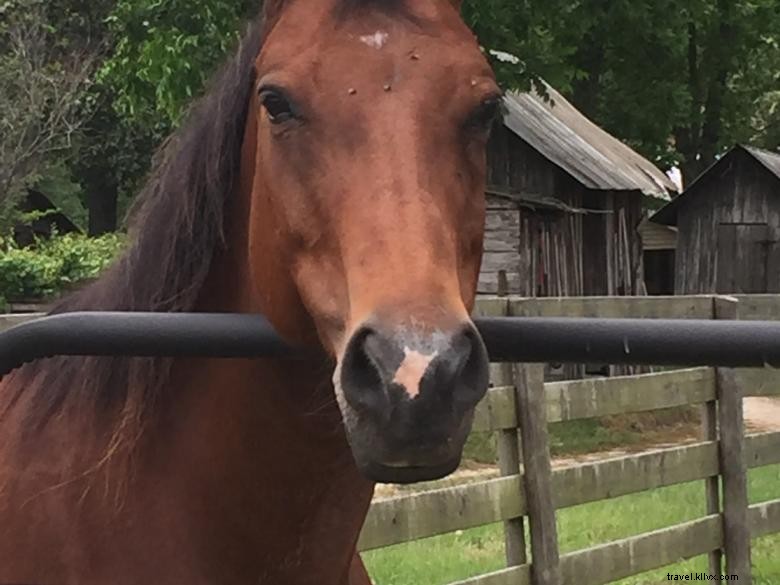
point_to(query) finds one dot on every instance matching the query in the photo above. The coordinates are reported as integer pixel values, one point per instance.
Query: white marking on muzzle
(411, 371)
(376, 40)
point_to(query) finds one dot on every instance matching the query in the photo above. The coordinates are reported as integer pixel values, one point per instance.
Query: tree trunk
(590, 57)
(708, 73)
(102, 198)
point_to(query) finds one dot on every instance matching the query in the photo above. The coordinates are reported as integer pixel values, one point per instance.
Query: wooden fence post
(709, 431)
(507, 443)
(537, 476)
(736, 530)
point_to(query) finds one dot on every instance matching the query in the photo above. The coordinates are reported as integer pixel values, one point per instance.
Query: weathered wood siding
(623, 247)
(550, 252)
(501, 247)
(729, 232)
(657, 237)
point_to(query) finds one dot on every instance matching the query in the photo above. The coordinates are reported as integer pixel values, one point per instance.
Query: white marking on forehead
(411, 371)
(376, 40)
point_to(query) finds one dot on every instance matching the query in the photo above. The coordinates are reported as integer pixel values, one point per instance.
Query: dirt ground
(761, 415)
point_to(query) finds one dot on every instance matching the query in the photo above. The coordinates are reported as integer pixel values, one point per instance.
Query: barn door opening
(742, 258)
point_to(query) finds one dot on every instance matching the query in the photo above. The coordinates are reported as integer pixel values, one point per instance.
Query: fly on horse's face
(373, 122)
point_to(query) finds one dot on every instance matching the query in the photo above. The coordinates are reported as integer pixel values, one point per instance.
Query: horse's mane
(176, 228)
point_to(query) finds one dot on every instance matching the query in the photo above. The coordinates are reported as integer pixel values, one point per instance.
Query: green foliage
(160, 54)
(42, 81)
(59, 185)
(679, 81)
(26, 274)
(55, 265)
(81, 258)
(163, 54)
(531, 31)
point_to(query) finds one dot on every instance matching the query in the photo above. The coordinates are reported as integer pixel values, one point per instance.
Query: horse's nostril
(358, 365)
(475, 371)
(362, 379)
(462, 371)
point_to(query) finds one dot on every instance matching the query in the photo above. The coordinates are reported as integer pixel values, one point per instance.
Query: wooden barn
(728, 224)
(565, 200)
(49, 218)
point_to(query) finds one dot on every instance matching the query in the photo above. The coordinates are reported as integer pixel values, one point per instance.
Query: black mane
(176, 227)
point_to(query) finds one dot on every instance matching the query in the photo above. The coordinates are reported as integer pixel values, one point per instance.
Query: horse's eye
(488, 112)
(276, 106)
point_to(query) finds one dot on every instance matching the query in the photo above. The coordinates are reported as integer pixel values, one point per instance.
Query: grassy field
(442, 560)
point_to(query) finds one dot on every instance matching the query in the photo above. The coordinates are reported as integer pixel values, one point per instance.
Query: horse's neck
(258, 448)
(286, 480)
(265, 436)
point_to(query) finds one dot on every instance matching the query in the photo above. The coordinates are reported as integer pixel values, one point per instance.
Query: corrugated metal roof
(568, 139)
(667, 215)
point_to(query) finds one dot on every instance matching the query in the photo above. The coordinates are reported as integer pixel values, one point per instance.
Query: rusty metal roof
(667, 215)
(563, 135)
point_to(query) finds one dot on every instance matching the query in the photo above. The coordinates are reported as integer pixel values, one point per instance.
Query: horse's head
(373, 122)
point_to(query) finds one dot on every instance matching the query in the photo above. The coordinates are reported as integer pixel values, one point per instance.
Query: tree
(41, 87)
(680, 81)
(163, 54)
(104, 149)
(725, 42)
(532, 31)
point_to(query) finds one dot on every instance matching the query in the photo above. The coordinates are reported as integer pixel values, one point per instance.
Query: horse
(332, 179)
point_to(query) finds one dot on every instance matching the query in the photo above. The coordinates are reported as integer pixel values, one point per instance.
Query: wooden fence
(519, 408)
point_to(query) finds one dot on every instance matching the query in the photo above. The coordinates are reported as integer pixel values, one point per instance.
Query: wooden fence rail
(413, 517)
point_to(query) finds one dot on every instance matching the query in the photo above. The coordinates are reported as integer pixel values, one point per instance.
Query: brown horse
(333, 181)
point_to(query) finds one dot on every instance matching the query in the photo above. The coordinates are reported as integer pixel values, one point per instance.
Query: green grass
(448, 558)
(588, 436)
(567, 438)
(600, 434)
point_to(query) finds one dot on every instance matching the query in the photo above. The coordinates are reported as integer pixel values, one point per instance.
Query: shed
(728, 224)
(49, 218)
(564, 202)
(659, 246)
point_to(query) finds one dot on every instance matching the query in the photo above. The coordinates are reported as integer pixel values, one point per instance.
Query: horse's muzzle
(409, 398)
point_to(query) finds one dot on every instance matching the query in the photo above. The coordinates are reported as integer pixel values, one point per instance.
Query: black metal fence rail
(686, 342)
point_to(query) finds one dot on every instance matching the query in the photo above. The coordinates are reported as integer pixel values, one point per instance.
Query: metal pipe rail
(685, 342)
(218, 335)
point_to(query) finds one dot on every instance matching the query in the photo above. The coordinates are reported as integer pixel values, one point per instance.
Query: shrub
(24, 273)
(80, 258)
(53, 266)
